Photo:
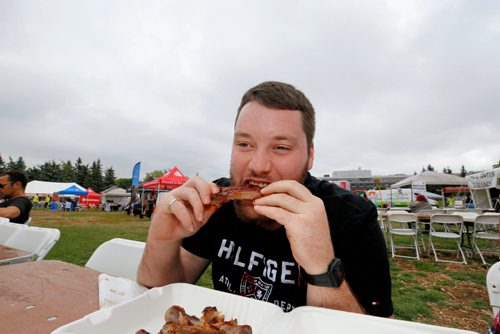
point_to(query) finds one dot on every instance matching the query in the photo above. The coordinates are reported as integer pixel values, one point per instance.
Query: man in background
(420, 204)
(15, 206)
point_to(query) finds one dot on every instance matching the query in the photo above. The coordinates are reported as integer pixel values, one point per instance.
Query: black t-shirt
(23, 204)
(252, 262)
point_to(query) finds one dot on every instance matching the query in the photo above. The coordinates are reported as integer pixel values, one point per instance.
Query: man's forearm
(340, 298)
(158, 261)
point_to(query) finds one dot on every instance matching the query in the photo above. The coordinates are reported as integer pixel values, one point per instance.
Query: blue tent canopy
(73, 190)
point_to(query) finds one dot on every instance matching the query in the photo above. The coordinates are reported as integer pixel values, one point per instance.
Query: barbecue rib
(177, 321)
(241, 193)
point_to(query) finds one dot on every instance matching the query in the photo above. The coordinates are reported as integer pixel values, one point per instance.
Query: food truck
(484, 187)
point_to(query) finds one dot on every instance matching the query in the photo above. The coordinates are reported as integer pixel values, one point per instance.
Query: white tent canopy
(115, 195)
(48, 188)
(432, 178)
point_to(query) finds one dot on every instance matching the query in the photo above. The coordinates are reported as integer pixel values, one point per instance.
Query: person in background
(36, 200)
(304, 242)
(67, 205)
(469, 203)
(47, 201)
(16, 206)
(420, 203)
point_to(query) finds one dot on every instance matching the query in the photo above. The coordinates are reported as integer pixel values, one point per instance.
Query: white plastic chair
(493, 286)
(446, 226)
(37, 240)
(486, 228)
(381, 223)
(403, 225)
(117, 257)
(7, 229)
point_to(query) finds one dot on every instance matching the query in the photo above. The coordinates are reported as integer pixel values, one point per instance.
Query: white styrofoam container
(147, 312)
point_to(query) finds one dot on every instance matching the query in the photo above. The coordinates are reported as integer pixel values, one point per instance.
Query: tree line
(87, 175)
(446, 170)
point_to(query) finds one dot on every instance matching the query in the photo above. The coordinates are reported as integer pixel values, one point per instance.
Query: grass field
(452, 295)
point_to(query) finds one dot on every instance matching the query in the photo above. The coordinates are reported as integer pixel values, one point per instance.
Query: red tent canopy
(171, 180)
(455, 190)
(92, 199)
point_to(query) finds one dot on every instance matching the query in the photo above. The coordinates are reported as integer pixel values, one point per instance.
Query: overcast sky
(396, 85)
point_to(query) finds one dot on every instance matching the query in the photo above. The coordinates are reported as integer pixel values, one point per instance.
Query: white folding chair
(403, 225)
(37, 240)
(28, 221)
(486, 228)
(7, 229)
(493, 286)
(381, 223)
(117, 257)
(448, 227)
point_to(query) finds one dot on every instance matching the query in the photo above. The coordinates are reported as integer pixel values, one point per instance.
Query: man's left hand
(304, 217)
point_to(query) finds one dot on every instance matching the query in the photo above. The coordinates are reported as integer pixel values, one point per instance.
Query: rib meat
(240, 193)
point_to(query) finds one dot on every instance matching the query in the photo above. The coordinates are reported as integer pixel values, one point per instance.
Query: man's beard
(256, 219)
(5, 197)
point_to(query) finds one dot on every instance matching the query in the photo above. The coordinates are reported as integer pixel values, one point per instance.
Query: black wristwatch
(333, 278)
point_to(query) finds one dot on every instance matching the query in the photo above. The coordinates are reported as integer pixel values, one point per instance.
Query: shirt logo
(254, 287)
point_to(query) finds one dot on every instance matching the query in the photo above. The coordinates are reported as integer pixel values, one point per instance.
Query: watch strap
(333, 278)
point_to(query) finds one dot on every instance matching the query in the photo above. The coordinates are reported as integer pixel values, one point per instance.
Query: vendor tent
(115, 195)
(92, 199)
(173, 179)
(47, 187)
(74, 189)
(431, 178)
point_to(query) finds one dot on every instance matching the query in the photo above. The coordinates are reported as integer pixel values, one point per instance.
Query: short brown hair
(15, 176)
(279, 95)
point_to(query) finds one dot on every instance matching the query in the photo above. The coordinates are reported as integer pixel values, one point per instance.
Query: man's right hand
(182, 211)
(178, 214)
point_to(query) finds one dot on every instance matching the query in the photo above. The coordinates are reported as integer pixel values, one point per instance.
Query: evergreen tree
(2, 164)
(94, 179)
(447, 170)
(18, 165)
(463, 172)
(49, 171)
(67, 172)
(32, 173)
(81, 172)
(109, 177)
(430, 168)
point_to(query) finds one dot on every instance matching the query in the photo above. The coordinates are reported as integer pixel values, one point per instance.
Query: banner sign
(394, 197)
(487, 179)
(418, 187)
(135, 175)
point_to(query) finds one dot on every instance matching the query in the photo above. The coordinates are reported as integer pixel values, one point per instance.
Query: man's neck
(21, 194)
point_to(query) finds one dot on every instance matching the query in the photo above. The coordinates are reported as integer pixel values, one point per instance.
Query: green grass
(82, 232)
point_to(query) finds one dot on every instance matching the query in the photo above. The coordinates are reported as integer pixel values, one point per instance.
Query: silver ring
(172, 203)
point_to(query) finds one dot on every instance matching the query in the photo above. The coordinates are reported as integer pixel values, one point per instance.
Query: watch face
(333, 278)
(338, 271)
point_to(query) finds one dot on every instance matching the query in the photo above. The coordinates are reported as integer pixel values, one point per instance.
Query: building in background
(362, 179)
